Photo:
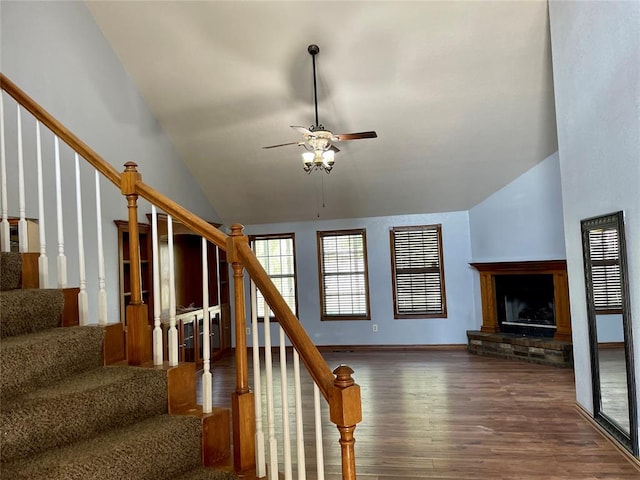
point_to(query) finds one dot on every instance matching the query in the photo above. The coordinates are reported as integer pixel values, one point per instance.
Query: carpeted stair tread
(29, 310)
(10, 270)
(89, 403)
(159, 448)
(203, 473)
(28, 362)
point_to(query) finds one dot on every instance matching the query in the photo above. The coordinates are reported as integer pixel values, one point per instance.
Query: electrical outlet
(375, 327)
(248, 331)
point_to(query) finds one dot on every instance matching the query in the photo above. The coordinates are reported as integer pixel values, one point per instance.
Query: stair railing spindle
(268, 370)
(286, 434)
(43, 262)
(83, 301)
(302, 471)
(207, 401)
(102, 289)
(158, 349)
(5, 236)
(62, 259)
(261, 466)
(173, 331)
(318, 422)
(23, 239)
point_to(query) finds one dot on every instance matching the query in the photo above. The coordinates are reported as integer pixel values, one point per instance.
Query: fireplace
(525, 312)
(525, 298)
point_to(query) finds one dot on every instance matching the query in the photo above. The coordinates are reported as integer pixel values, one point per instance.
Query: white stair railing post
(83, 301)
(286, 434)
(5, 236)
(302, 472)
(102, 290)
(62, 260)
(157, 308)
(207, 400)
(43, 261)
(261, 466)
(268, 369)
(23, 239)
(173, 331)
(318, 422)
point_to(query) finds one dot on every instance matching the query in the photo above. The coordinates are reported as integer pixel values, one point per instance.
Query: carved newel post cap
(343, 376)
(130, 167)
(236, 229)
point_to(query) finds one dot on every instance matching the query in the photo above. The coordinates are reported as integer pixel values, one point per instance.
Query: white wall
(596, 48)
(55, 52)
(523, 220)
(458, 280)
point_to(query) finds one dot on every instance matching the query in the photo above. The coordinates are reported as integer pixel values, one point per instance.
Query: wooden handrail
(309, 354)
(60, 130)
(184, 216)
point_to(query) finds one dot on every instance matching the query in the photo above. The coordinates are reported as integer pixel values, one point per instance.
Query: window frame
(443, 296)
(321, 235)
(279, 236)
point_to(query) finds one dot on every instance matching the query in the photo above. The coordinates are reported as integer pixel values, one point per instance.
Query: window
(344, 287)
(276, 254)
(605, 270)
(417, 272)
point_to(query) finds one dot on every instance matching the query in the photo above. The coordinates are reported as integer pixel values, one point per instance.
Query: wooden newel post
(345, 410)
(242, 404)
(136, 315)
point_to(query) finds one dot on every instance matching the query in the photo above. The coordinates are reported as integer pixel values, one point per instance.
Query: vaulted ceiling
(460, 94)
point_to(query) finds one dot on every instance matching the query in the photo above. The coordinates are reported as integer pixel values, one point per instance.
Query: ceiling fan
(317, 140)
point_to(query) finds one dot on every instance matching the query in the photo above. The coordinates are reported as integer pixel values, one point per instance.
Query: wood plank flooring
(452, 415)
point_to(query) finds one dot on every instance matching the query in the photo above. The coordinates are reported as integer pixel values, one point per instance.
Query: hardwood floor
(452, 415)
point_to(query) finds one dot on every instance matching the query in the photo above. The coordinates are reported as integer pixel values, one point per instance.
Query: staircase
(63, 415)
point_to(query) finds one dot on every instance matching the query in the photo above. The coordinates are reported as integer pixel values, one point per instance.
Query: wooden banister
(60, 130)
(309, 354)
(184, 216)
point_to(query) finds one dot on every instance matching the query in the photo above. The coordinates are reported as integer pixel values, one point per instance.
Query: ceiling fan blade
(355, 136)
(334, 148)
(302, 130)
(282, 145)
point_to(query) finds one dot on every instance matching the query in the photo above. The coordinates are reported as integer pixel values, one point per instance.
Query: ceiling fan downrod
(314, 50)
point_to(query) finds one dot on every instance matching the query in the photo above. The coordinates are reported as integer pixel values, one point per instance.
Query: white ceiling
(460, 94)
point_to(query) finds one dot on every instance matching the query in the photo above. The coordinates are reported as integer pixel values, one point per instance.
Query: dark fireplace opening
(525, 304)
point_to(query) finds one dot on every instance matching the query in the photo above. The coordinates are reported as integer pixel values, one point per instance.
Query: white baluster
(173, 331)
(157, 308)
(207, 406)
(261, 466)
(23, 239)
(83, 301)
(286, 434)
(62, 259)
(5, 236)
(268, 369)
(43, 262)
(318, 421)
(102, 288)
(302, 474)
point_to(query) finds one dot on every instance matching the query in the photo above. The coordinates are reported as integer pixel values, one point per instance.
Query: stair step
(89, 403)
(29, 310)
(28, 362)
(203, 473)
(10, 270)
(161, 447)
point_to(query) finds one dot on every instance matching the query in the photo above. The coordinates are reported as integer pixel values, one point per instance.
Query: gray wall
(55, 52)
(596, 48)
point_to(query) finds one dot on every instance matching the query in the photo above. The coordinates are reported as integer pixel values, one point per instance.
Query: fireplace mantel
(558, 268)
